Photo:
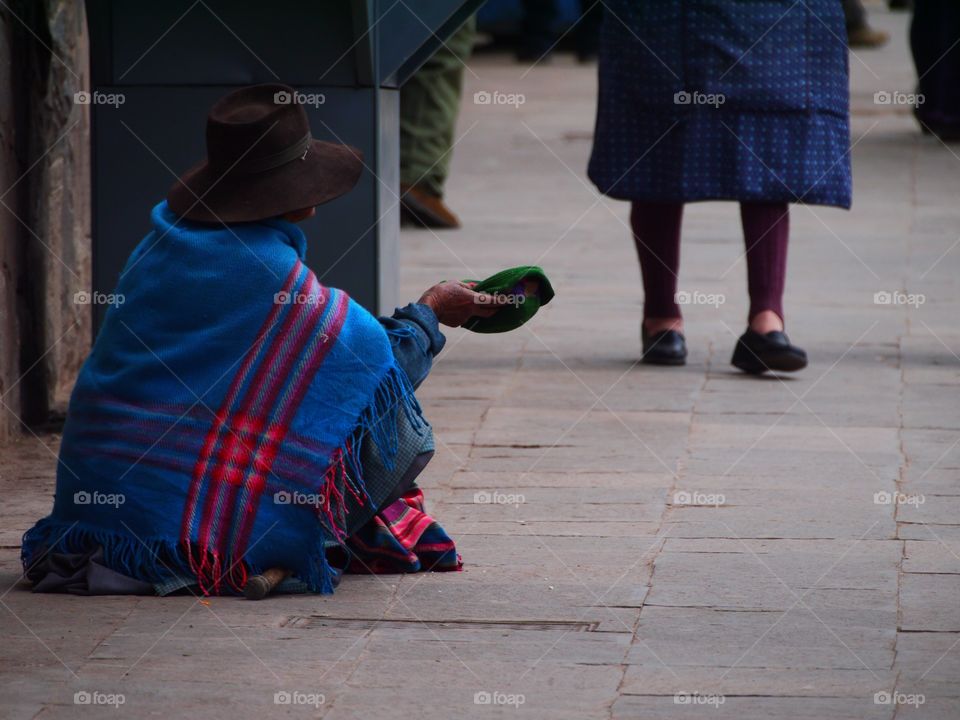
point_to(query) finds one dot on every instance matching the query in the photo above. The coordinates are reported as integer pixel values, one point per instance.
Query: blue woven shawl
(215, 428)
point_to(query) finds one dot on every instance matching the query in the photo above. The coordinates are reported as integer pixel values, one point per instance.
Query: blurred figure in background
(713, 100)
(588, 30)
(935, 42)
(859, 32)
(429, 106)
(538, 32)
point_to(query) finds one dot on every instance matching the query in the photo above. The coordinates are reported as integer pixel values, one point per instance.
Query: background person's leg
(859, 32)
(764, 346)
(855, 13)
(588, 29)
(656, 233)
(536, 30)
(934, 36)
(429, 105)
(766, 232)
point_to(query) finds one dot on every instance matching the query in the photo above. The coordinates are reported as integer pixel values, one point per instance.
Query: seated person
(235, 415)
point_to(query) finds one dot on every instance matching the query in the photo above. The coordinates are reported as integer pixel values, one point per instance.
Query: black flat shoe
(667, 347)
(756, 353)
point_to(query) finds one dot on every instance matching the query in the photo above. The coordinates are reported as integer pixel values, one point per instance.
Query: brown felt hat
(262, 161)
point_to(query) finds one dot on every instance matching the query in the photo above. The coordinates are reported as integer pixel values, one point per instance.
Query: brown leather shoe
(866, 37)
(426, 209)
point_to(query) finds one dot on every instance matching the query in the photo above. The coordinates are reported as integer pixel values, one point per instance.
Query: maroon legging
(656, 232)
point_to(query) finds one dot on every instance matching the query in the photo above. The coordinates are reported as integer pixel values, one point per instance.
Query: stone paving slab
(619, 482)
(931, 557)
(795, 637)
(752, 708)
(929, 602)
(927, 658)
(949, 534)
(789, 682)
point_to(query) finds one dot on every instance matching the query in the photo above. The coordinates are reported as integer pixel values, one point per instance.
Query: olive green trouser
(429, 103)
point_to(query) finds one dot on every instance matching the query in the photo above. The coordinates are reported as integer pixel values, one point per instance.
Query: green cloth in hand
(528, 288)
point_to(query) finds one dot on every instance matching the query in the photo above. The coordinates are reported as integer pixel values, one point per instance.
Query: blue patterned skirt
(723, 100)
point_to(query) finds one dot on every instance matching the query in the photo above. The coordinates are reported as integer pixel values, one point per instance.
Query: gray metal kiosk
(171, 60)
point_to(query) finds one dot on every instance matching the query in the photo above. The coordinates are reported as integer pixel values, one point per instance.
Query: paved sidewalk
(766, 548)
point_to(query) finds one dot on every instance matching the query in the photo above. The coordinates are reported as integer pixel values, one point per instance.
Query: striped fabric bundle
(402, 538)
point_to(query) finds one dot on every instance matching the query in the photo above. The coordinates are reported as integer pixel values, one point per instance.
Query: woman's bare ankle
(766, 321)
(655, 325)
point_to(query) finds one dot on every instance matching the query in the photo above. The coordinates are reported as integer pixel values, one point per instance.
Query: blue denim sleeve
(416, 339)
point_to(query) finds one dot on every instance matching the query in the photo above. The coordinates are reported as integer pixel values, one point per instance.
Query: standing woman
(722, 100)
(935, 42)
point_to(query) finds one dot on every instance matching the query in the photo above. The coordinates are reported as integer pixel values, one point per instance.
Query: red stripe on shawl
(225, 479)
(200, 468)
(219, 477)
(259, 406)
(292, 401)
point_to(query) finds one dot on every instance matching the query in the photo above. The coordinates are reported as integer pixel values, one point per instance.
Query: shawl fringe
(157, 560)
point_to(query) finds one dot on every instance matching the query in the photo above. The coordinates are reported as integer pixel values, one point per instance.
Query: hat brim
(326, 172)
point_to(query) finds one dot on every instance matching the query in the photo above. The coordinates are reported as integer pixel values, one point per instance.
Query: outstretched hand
(454, 303)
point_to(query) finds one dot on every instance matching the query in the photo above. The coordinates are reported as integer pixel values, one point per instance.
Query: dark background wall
(44, 208)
